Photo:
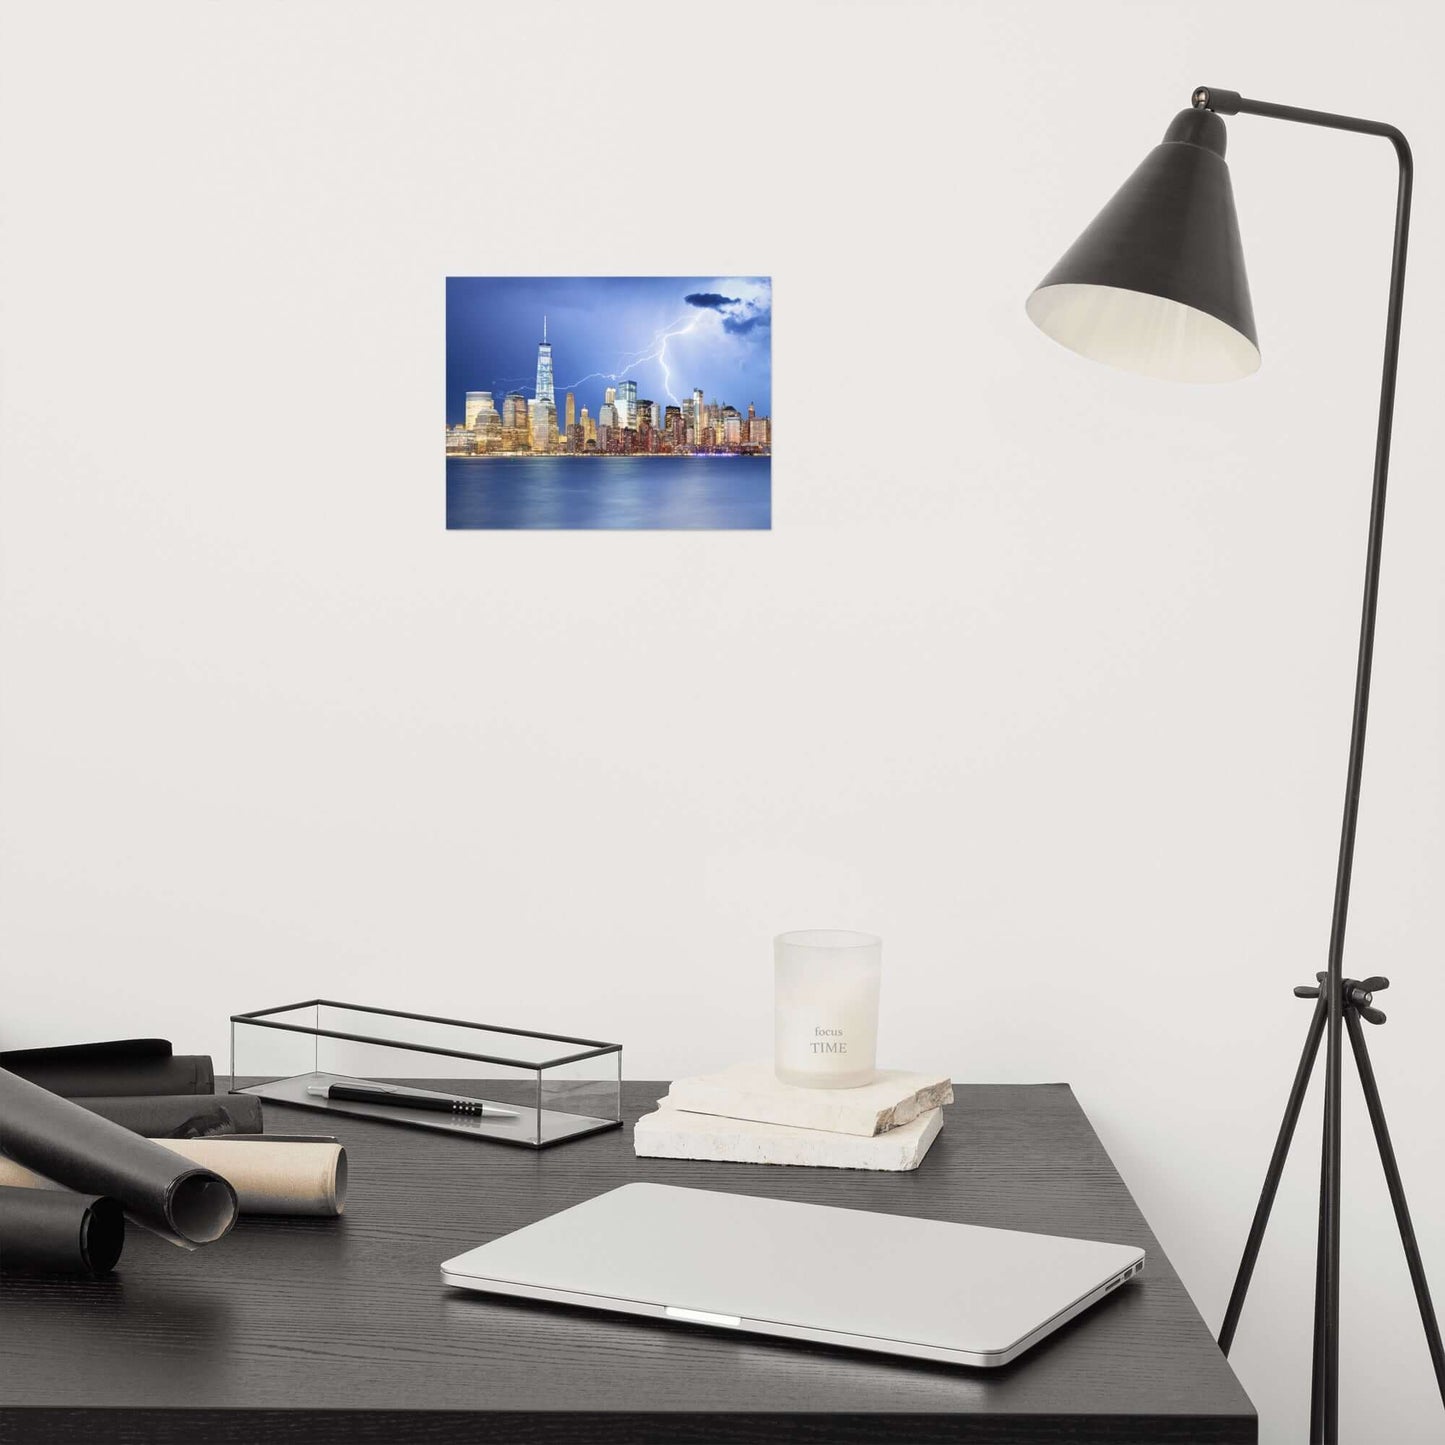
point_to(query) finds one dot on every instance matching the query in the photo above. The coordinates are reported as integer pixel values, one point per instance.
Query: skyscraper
(479, 403)
(627, 404)
(571, 412)
(543, 418)
(514, 422)
(544, 370)
(698, 438)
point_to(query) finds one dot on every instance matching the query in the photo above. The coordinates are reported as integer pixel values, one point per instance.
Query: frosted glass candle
(826, 1001)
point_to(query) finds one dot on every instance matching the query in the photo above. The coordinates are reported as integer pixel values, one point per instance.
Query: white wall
(1056, 699)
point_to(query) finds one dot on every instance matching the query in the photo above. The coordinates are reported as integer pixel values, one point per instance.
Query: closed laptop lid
(925, 1282)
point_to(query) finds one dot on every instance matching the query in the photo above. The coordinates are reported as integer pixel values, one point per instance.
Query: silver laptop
(925, 1288)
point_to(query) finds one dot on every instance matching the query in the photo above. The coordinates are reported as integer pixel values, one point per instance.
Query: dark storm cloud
(711, 300)
(741, 328)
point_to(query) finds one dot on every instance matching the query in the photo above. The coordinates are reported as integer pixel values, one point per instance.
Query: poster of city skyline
(609, 402)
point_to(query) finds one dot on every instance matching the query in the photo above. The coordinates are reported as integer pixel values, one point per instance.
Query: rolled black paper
(117, 1067)
(181, 1116)
(45, 1231)
(157, 1188)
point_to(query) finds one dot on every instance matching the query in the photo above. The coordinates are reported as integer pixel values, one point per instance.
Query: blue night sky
(669, 334)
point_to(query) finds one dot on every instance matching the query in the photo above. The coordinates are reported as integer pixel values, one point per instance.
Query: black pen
(409, 1099)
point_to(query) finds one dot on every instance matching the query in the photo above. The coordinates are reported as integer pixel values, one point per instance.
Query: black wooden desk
(338, 1330)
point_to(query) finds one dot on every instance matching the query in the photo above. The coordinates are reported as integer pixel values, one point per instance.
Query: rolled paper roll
(270, 1176)
(116, 1067)
(276, 1175)
(45, 1233)
(184, 1203)
(181, 1116)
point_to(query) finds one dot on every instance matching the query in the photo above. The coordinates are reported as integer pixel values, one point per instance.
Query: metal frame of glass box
(542, 1095)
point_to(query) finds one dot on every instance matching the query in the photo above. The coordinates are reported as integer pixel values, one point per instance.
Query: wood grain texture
(339, 1330)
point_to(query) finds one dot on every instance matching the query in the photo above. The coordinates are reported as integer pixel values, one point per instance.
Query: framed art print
(609, 403)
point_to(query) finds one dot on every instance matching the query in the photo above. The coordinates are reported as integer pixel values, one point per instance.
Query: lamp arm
(1327, 1310)
(1231, 102)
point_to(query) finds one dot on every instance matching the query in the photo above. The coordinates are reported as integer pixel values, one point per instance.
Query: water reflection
(726, 493)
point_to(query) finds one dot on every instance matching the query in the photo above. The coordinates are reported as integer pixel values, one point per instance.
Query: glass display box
(509, 1086)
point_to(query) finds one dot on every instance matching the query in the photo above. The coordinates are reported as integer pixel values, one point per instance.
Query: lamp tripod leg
(1272, 1175)
(1317, 1357)
(1352, 999)
(1397, 1197)
(1330, 1203)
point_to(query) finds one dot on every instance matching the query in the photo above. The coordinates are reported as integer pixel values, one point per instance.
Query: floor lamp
(1157, 285)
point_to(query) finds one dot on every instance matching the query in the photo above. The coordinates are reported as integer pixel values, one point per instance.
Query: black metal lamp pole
(1342, 1001)
(1156, 285)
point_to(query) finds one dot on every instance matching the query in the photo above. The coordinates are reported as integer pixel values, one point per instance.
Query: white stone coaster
(677, 1134)
(752, 1091)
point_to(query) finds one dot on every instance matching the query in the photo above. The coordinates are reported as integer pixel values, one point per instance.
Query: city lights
(624, 424)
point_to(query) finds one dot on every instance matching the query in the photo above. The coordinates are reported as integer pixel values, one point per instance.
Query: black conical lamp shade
(1156, 285)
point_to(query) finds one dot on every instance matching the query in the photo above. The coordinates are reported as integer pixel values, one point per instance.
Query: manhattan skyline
(670, 336)
(609, 403)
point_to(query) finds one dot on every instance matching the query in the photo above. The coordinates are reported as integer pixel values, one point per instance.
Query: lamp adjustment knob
(1210, 97)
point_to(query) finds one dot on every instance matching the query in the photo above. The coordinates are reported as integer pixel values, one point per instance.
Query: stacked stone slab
(744, 1115)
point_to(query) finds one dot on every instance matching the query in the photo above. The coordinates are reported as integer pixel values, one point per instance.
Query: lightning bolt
(647, 352)
(655, 350)
(662, 360)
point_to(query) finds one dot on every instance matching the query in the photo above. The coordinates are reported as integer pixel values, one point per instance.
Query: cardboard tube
(274, 1176)
(270, 1176)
